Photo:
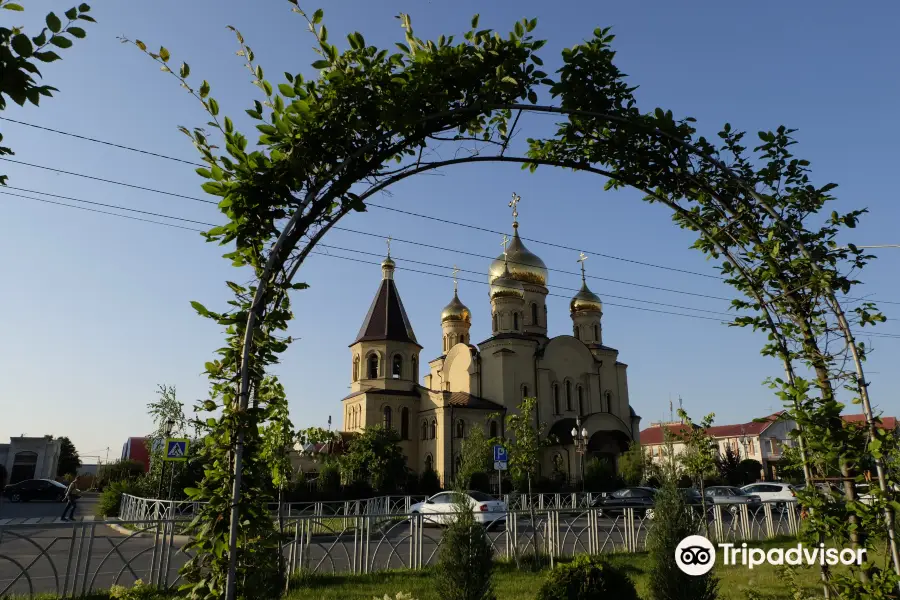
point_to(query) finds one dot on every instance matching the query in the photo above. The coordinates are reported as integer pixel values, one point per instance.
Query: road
(46, 512)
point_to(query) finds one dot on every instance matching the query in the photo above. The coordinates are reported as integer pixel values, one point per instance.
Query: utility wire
(480, 282)
(373, 204)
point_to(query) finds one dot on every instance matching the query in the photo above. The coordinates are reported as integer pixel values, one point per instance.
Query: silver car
(726, 494)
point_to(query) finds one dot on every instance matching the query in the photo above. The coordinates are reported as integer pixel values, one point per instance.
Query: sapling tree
(698, 460)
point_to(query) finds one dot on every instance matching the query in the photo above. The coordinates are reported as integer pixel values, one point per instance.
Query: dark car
(691, 495)
(638, 498)
(35, 489)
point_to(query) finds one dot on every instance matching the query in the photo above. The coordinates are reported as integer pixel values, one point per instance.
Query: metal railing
(72, 559)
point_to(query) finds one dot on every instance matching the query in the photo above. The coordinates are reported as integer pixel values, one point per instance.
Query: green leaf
(46, 56)
(317, 16)
(40, 40)
(202, 172)
(185, 70)
(87, 18)
(77, 32)
(204, 89)
(321, 64)
(475, 21)
(163, 54)
(286, 90)
(61, 42)
(22, 45)
(84, 7)
(229, 126)
(140, 45)
(53, 23)
(192, 492)
(202, 310)
(16, 7)
(213, 107)
(520, 31)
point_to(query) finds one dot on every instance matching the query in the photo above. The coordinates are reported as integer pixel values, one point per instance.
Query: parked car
(638, 498)
(772, 491)
(440, 508)
(35, 489)
(691, 495)
(864, 492)
(726, 494)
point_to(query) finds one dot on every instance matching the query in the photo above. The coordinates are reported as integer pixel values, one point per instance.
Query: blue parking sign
(500, 454)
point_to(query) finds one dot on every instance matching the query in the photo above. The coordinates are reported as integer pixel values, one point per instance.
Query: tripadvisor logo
(695, 555)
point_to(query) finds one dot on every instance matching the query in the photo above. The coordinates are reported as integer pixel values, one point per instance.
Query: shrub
(329, 481)
(111, 498)
(429, 482)
(121, 470)
(466, 561)
(672, 523)
(399, 596)
(138, 592)
(586, 577)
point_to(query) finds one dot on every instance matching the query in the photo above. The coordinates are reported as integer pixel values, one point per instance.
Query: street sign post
(176, 449)
(501, 462)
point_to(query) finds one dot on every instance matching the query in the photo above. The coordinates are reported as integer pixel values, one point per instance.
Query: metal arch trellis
(289, 238)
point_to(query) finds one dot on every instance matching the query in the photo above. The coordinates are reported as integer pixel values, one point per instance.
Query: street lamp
(579, 438)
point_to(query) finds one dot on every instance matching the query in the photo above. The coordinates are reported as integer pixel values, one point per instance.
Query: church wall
(507, 365)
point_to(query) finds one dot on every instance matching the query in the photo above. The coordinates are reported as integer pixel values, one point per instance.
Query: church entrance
(607, 446)
(24, 466)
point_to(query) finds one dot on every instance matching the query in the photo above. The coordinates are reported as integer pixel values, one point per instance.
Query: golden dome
(585, 299)
(506, 286)
(524, 265)
(456, 311)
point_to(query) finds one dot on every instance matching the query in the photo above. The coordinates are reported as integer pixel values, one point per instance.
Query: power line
(857, 333)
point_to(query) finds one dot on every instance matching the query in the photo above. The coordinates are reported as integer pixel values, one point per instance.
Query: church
(575, 378)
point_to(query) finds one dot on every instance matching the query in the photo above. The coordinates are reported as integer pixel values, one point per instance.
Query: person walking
(69, 498)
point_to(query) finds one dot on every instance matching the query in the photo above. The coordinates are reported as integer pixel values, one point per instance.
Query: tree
(316, 436)
(750, 470)
(699, 456)
(475, 459)
(69, 461)
(524, 442)
(600, 476)
(17, 51)
(728, 467)
(375, 456)
(633, 464)
(167, 414)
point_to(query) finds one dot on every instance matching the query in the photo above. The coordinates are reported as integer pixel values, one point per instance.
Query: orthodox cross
(504, 243)
(514, 204)
(455, 283)
(581, 258)
(389, 238)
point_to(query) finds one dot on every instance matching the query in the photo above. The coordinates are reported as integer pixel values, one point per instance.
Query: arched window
(568, 395)
(495, 322)
(433, 432)
(493, 429)
(597, 334)
(608, 401)
(397, 369)
(404, 423)
(577, 334)
(460, 429)
(429, 463)
(462, 339)
(355, 367)
(555, 398)
(415, 369)
(524, 391)
(516, 321)
(445, 343)
(373, 366)
(534, 313)
(386, 420)
(424, 430)
(580, 400)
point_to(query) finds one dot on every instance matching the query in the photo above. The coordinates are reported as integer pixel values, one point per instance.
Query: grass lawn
(511, 584)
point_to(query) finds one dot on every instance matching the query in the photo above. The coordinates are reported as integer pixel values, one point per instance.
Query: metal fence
(71, 559)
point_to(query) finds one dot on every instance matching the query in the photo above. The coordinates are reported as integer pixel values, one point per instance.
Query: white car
(441, 508)
(772, 492)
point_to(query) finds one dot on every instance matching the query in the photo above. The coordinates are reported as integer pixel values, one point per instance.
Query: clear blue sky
(96, 309)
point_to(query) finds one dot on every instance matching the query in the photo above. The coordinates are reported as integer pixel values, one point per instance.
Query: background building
(30, 457)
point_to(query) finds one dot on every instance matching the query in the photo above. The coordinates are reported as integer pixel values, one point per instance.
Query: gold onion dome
(524, 265)
(505, 286)
(585, 299)
(456, 311)
(388, 262)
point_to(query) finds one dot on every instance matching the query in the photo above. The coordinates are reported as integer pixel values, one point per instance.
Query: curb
(178, 539)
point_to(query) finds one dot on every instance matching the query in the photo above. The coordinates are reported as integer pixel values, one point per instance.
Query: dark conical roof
(387, 318)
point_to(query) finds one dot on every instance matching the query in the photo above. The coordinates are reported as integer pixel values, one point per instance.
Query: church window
(386, 421)
(555, 398)
(534, 313)
(493, 429)
(415, 369)
(424, 430)
(445, 343)
(404, 423)
(545, 315)
(398, 366)
(516, 321)
(355, 367)
(460, 429)
(495, 323)
(580, 400)
(524, 391)
(608, 401)
(597, 334)
(568, 395)
(429, 462)
(433, 432)
(577, 334)
(373, 366)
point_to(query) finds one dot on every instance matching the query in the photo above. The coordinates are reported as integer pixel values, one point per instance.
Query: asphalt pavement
(17, 513)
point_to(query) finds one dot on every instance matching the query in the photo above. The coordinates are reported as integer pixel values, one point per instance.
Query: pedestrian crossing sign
(176, 449)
